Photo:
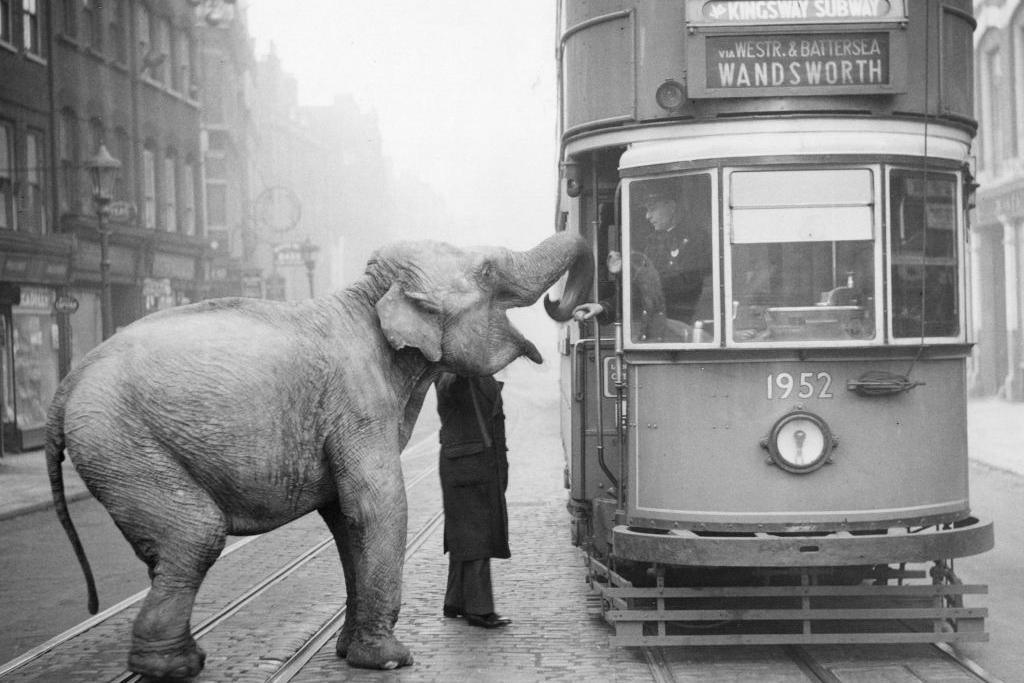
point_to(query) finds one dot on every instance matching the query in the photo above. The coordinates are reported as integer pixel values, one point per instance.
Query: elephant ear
(409, 319)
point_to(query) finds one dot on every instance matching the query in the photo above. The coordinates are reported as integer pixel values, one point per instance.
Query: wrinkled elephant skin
(235, 416)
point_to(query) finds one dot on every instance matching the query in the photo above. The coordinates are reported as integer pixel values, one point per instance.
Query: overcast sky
(464, 93)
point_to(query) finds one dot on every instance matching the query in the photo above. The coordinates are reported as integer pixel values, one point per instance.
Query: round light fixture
(669, 95)
(800, 442)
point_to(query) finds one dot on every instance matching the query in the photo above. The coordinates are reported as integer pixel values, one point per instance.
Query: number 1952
(784, 385)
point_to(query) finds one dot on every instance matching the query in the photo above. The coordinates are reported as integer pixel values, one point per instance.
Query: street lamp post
(309, 251)
(103, 170)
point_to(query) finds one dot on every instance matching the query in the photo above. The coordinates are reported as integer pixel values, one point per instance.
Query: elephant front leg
(336, 523)
(373, 508)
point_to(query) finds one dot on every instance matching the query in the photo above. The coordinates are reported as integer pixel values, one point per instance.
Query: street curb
(29, 508)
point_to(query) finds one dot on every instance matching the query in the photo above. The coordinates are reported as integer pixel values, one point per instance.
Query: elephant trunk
(534, 271)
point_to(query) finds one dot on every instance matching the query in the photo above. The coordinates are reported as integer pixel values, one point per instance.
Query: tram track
(422, 447)
(329, 630)
(294, 565)
(950, 665)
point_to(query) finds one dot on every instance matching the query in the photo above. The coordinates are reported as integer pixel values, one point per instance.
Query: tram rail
(422, 447)
(812, 663)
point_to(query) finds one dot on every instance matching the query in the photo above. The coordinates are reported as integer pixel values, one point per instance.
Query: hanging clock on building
(277, 209)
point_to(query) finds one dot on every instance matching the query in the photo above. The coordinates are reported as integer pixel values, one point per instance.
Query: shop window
(7, 215)
(35, 345)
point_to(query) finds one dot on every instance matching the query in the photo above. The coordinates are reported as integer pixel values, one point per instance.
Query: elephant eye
(487, 271)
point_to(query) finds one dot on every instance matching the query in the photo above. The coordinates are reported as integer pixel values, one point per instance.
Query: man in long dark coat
(474, 476)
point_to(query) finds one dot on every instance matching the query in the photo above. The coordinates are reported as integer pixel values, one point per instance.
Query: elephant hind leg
(179, 532)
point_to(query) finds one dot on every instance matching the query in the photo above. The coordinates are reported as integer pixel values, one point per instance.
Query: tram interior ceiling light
(670, 96)
(800, 442)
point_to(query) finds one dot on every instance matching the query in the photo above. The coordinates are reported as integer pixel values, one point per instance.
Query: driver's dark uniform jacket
(473, 477)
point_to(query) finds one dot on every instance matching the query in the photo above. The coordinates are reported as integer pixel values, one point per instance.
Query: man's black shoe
(452, 612)
(491, 620)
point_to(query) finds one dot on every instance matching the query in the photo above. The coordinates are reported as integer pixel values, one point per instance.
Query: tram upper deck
(638, 62)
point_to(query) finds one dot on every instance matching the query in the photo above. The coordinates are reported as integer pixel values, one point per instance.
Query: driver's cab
(766, 256)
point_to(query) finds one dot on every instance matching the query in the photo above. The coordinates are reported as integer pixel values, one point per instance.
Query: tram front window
(802, 255)
(670, 261)
(922, 230)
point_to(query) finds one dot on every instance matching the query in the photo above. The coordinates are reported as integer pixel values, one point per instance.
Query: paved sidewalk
(995, 435)
(25, 485)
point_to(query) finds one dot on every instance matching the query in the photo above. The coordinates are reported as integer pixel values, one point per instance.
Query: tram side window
(924, 254)
(802, 255)
(670, 260)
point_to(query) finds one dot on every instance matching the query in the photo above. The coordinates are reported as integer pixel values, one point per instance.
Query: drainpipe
(53, 182)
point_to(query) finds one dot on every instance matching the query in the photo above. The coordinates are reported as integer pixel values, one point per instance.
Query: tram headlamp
(800, 442)
(669, 95)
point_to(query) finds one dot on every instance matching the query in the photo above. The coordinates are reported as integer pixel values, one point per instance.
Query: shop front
(32, 275)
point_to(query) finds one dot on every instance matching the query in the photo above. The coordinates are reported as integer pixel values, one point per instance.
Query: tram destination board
(740, 48)
(774, 64)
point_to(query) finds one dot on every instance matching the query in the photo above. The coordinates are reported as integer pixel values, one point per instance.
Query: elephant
(238, 415)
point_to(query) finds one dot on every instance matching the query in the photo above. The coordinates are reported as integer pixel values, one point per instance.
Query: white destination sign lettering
(766, 11)
(798, 61)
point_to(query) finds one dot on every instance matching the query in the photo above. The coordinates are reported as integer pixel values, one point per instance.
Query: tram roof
(783, 137)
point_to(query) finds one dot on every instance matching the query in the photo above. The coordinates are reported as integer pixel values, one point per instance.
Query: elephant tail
(54, 458)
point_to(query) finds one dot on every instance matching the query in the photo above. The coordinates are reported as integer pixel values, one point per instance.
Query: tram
(764, 398)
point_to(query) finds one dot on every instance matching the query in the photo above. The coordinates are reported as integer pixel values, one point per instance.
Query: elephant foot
(179, 659)
(380, 653)
(344, 640)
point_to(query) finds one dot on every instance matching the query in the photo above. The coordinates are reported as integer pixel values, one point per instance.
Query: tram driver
(671, 261)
